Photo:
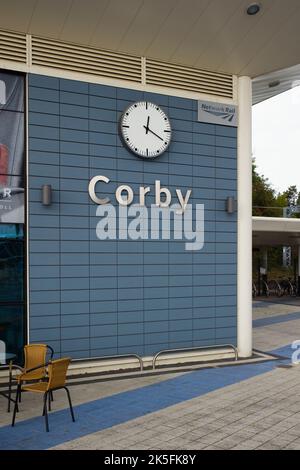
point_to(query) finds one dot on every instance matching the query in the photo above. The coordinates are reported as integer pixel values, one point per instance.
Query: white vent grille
(189, 79)
(75, 58)
(13, 46)
(47, 53)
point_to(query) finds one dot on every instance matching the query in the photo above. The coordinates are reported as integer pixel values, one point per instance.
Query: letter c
(92, 192)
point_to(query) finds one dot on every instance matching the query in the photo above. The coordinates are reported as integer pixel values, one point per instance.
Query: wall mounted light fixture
(274, 84)
(231, 205)
(46, 194)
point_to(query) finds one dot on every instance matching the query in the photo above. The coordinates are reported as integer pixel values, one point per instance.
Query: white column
(298, 289)
(244, 258)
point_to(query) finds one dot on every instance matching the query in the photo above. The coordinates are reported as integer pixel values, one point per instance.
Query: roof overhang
(269, 231)
(272, 84)
(216, 35)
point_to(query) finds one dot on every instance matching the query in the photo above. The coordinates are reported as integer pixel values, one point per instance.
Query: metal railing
(275, 211)
(198, 348)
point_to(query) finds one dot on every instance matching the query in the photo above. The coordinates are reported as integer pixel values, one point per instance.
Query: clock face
(145, 129)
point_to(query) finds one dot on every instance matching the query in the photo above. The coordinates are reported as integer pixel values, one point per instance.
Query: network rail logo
(217, 113)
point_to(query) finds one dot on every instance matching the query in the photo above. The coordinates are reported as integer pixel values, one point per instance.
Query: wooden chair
(57, 372)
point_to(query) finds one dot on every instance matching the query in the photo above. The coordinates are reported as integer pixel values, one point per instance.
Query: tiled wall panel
(91, 298)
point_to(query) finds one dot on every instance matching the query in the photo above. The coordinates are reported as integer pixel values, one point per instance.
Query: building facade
(91, 297)
(67, 173)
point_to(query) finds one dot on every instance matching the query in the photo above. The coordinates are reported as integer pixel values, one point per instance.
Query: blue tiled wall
(89, 297)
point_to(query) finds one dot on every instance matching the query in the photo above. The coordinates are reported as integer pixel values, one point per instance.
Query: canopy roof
(212, 34)
(269, 231)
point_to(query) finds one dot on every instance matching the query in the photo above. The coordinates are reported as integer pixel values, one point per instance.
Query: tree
(289, 198)
(268, 203)
(264, 196)
(291, 195)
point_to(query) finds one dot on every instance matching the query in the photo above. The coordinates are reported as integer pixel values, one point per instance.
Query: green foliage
(266, 201)
(264, 196)
(291, 195)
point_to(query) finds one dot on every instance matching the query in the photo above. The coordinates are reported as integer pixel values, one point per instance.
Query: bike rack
(198, 348)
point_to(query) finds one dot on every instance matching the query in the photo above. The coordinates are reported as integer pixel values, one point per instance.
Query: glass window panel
(12, 328)
(11, 167)
(11, 270)
(11, 231)
(12, 205)
(11, 91)
(11, 145)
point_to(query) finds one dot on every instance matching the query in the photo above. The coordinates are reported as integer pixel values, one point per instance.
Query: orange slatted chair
(57, 372)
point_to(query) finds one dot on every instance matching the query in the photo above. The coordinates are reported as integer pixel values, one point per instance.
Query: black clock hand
(153, 132)
(147, 125)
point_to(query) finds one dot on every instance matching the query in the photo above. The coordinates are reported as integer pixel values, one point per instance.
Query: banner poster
(12, 148)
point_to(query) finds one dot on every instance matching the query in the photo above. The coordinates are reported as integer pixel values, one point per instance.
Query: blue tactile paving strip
(276, 319)
(106, 412)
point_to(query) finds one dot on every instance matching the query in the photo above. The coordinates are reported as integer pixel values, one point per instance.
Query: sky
(276, 139)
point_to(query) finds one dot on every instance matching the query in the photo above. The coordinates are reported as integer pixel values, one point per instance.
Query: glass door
(12, 298)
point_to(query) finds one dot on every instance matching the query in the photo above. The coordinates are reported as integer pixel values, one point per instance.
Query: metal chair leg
(45, 412)
(49, 401)
(21, 394)
(70, 404)
(44, 405)
(51, 395)
(9, 386)
(16, 405)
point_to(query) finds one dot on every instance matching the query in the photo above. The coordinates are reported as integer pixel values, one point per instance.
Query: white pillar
(298, 288)
(244, 258)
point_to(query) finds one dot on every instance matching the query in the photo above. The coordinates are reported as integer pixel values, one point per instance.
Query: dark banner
(12, 148)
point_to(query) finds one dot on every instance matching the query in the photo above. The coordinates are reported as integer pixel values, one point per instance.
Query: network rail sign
(218, 113)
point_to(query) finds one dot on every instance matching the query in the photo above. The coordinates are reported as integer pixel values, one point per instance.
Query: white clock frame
(145, 129)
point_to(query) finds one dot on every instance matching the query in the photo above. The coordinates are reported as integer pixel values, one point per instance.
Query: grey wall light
(231, 205)
(46, 194)
(274, 84)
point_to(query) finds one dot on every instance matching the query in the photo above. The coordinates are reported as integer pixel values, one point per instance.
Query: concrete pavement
(247, 406)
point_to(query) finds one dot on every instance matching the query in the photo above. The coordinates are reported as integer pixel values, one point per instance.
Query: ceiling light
(274, 84)
(253, 9)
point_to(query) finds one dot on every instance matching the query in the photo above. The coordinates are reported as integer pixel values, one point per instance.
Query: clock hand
(147, 125)
(153, 132)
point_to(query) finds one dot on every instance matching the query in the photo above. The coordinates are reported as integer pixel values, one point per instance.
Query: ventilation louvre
(13, 47)
(188, 78)
(75, 58)
(35, 51)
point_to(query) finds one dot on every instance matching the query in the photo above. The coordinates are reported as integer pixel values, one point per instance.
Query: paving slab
(246, 406)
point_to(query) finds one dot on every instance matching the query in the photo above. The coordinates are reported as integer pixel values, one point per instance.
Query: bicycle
(289, 287)
(266, 289)
(254, 290)
(275, 288)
